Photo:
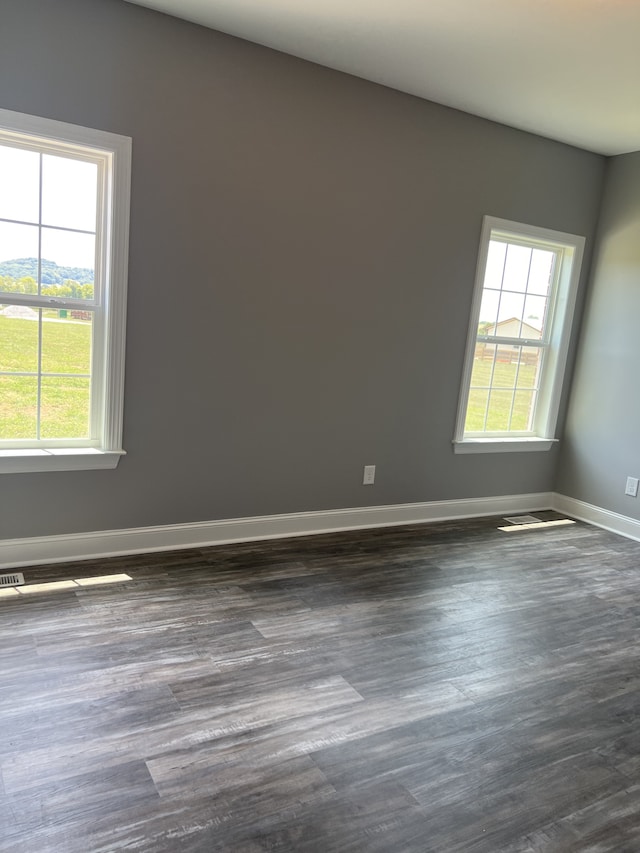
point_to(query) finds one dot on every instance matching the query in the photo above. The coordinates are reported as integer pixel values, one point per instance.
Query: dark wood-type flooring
(445, 687)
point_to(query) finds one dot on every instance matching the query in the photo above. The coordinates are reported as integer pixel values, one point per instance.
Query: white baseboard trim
(612, 521)
(15, 553)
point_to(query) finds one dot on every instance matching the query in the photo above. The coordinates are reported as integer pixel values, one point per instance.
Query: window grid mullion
(39, 385)
(526, 290)
(504, 269)
(47, 302)
(515, 380)
(514, 342)
(52, 227)
(491, 375)
(34, 374)
(515, 388)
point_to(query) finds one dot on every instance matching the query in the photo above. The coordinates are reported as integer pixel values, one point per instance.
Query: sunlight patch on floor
(56, 586)
(557, 522)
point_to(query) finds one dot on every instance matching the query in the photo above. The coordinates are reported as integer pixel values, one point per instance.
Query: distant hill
(51, 272)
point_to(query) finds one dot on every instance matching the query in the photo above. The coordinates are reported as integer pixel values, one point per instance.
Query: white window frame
(555, 340)
(112, 152)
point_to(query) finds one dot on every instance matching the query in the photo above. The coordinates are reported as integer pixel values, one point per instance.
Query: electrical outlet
(631, 488)
(369, 475)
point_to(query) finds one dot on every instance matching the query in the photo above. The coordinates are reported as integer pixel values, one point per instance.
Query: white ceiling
(566, 69)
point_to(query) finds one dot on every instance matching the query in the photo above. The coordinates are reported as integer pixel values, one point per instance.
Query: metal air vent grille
(15, 579)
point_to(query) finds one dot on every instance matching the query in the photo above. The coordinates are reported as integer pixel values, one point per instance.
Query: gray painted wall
(303, 247)
(602, 440)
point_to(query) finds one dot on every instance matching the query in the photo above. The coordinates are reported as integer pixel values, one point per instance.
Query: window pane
(535, 309)
(18, 258)
(495, 264)
(510, 315)
(20, 182)
(516, 272)
(18, 339)
(476, 410)
(64, 407)
(542, 263)
(69, 190)
(522, 417)
(489, 312)
(74, 255)
(499, 410)
(530, 363)
(18, 405)
(483, 353)
(483, 366)
(506, 369)
(66, 342)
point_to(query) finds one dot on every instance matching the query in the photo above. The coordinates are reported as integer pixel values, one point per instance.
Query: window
(64, 222)
(518, 338)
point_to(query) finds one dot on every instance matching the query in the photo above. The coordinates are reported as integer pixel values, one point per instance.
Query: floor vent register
(15, 579)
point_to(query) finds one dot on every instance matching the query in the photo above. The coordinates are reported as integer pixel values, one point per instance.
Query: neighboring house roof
(527, 330)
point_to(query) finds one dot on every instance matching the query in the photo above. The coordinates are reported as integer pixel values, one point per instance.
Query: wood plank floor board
(608, 824)
(376, 818)
(442, 687)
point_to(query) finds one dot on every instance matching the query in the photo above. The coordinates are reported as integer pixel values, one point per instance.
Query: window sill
(502, 445)
(58, 459)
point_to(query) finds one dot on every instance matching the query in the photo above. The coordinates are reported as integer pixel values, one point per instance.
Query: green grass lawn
(64, 400)
(500, 415)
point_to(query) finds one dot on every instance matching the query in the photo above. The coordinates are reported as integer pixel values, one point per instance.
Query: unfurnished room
(319, 432)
